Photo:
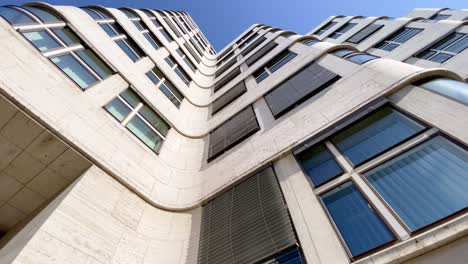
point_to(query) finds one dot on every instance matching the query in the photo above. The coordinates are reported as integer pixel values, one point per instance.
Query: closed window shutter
(253, 46)
(173, 28)
(298, 88)
(225, 67)
(228, 97)
(227, 78)
(260, 53)
(364, 33)
(233, 131)
(195, 56)
(247, 223)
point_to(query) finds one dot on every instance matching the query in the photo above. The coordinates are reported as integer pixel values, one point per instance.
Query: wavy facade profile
(126, 138)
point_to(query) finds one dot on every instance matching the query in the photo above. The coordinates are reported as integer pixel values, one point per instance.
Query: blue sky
(223, 20)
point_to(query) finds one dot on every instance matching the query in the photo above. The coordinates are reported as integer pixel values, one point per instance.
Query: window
(364, 33)
(138, 118)
(186, 59)
(374, 134)
(261, 53)
(452, 89)
(310, 42)
(356, 57)
(166, 87)
(225, 67)
(273, 65)
(319, 164)
(248, 223)
(252, 46)
(228, 97)
(435, 18)
(158, 25)
(325, 28)
(138, 22)
(226, 79)
(398, 38)
(360, 227)
(423, 182)
(299, 87)
(247, 41)
(192, 52)
(343, 29)
(58, 43)
(116, 32)
(445, 48)
(178, 70)
(232, 132)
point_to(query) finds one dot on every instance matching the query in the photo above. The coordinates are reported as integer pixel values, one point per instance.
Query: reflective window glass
(41, 40)
(75, 70)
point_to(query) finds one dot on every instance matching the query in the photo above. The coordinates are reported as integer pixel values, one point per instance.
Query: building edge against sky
(124, 138)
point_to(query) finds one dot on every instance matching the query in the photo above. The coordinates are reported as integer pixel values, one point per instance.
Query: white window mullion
(132, 114)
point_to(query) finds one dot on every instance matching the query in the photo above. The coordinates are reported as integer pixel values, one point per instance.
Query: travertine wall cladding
(97, 220)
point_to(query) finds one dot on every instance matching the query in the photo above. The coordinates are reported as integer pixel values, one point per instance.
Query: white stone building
(125, 138)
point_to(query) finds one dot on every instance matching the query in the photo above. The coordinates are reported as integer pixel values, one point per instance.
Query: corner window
(178, 70)
(325, 28)
(452, 89)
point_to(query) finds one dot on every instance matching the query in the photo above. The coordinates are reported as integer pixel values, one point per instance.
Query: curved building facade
(126, 138)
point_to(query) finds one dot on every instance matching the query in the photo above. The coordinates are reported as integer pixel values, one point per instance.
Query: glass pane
(151, 40)
(291, 256)
(409, 33)
(261, 77)
(375, 134)
(166, 35)
(75, 70)
(361, 58)
(153, 77)
(319, 164)
(103, 14)
(131, 97)
(174, 90)
(117, 28)
(143, 132)
(108, 29)
(455, 90)
(425, 184)
(95, 63)
(426, 54)
(390, 46)
(154, 120)
(460, 46)
(67, 36)
(165, 90)
(130, 53)
(342, 53)
(182, 75)
(447, 41)
(359, 225)
(282, 62)
(169, 61)
(15, 17)
(93, 14)
(138, 25)
(41, 40)
(441, 57)
(118, 109)
(45, 16)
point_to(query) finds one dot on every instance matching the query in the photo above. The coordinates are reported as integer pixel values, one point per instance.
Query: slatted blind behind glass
(247, 223)
(364, 33)
(298, 88)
